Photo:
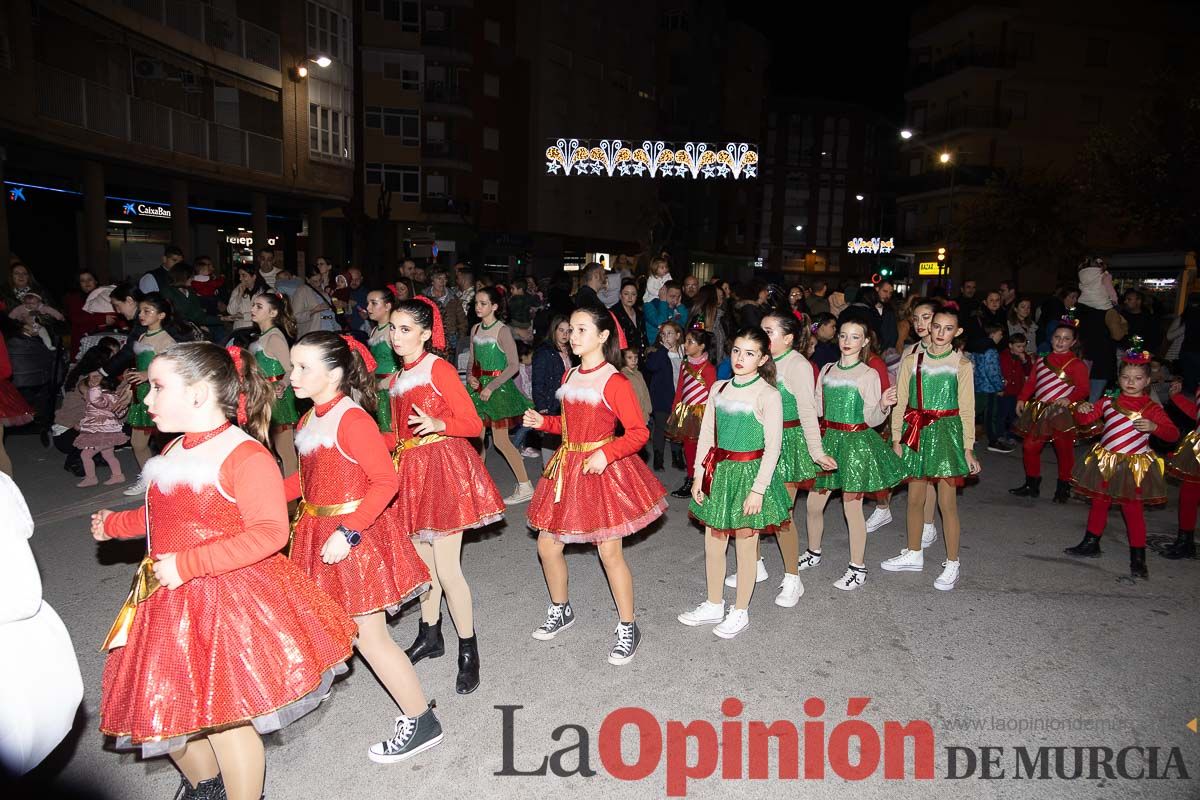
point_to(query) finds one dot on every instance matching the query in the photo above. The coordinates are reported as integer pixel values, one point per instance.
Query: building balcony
(455, 207)
(214, 27)
(446, 40)
(447, 99)
(77, 101)
(449, 154)
(921, 74)
(966, 177)
(968, 118)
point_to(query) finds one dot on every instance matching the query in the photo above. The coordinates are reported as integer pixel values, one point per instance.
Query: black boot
(1089, 547)
(1137, 563)
(211, 789)
(428, 643)
(658, 460)
(1062, 492)
(685, 490)
(468, 666)
(1031, 488)
(677, 460)
(1183, 547)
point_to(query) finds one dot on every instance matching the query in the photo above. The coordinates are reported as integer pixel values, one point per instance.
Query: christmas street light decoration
(615, 157)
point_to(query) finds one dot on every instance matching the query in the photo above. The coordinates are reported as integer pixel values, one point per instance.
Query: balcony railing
(921, 74)
(445, 93)
(445, 205)
(77, 101)
(969, 117)
(448, 39)
(447, 150)
(214, 27)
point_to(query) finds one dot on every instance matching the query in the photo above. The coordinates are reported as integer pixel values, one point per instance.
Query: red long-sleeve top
(880, 366)
(358, 437)
(1187, 405)
(1068, 363)
(1015, 372)
(251, 477)
(1165, 429)
(461, 418)
(619, 395)
(708, 376)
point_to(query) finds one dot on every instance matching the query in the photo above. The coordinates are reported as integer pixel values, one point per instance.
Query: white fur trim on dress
(579, 394)
(732, 406)
(837, 382)
(410, 379)
(141, 347)
(309, 439)
(482, 340)
(935, 369)
(170, 473)
(255, 346)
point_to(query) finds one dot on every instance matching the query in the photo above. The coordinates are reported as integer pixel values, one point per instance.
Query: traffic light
(885, 272)
(941, 254)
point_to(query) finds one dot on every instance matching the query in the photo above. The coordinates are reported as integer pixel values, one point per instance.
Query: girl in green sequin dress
(738, 491)
(494, 363)
(154, 311)
(935, 438)
(272, 315)
(380, 303)
(860, 462)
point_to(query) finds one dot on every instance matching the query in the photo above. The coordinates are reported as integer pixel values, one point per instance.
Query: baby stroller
(37, 373)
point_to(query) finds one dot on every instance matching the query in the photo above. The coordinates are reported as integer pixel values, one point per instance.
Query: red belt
(716, 455)
(791, 423)
(918, 418)
(481, 373)
(845, 426)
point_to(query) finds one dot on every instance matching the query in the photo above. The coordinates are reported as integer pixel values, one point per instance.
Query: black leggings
(658, 436)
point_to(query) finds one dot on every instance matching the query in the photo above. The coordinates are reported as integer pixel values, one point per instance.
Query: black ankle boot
(658, 460)
(468, 666)
(211, 789)
(677, 461)
(1089, 547)
(1184, 546)
(1062, 492)
(1137, 563)
(1031, 488)
(685, 490)
(428, 643)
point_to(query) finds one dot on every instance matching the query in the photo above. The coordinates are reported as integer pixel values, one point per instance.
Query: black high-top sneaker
(428, 644)
(558, 619)
(1184, 546)
(685, 490)
(211, 789)
(1137, 563)
(1088, 548)
(1062, 492)
(413, 735)
(628, 639)
(1031, 488)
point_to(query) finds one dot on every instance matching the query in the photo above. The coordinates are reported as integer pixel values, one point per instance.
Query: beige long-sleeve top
(640, 389)
(966, 392)
(795, 372)
(866, 381)
(503, 336)
(764, 401)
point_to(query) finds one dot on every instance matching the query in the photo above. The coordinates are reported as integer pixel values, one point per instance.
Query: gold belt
(553, 469)
(144, 585)
(333, 510)
(404, 445)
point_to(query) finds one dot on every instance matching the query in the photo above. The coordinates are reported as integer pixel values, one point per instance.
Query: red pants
(1135, 519)
(689, 455)
(1064, 448)
(1189, 499)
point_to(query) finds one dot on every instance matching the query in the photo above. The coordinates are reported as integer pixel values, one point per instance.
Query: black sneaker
(558, 619)
(1000, 446)
(628, 638)
(413, 735)
(211, 789)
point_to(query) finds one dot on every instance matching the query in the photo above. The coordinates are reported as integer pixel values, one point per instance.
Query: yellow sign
(929, 268)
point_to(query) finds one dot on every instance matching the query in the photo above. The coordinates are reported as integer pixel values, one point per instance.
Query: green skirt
(865, 463)
(138, 415)
(283, 410)
(505, 403)
(940, 454)
(795, 465)
(383, 411)
(731, 483)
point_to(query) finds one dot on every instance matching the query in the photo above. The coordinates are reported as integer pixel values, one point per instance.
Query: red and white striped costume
(1184, 464)
(691, 395)
(1058, 376)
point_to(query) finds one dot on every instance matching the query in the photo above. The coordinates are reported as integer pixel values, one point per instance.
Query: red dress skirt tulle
(14, 410)
(623, 499)
(381, 573)
(444, 489)
(259, 644)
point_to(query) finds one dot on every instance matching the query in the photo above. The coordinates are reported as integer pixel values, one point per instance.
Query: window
(491, 191)
(435, 186)
(675, 21)
(435, 132)
(491, 31)
(1017, 103)
(406, 12)
(435, 20)
(407, 71)
(1097, 53)
(1022, 45)
(491, 139)
(329, 133)
(1089, 109)
(491, 85)
(328, 33)
(404, 181)
(401, 122)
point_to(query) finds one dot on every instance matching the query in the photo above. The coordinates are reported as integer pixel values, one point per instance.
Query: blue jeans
(519, 435)
(1097, 390)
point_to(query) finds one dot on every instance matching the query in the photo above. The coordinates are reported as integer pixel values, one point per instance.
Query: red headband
(235, 353)
(362, 350)
(439, 333)
(620, 332)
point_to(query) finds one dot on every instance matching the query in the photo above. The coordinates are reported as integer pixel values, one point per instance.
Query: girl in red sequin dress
(594, 489)
(222, 638)
(342, 538)
(434, 417)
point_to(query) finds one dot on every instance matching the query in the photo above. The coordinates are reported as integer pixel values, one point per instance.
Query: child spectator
(32, 314)
(989, 384)
(1015, 366)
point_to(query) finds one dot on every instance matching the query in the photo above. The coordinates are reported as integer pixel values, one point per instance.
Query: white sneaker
(809, 559)
(928, 535)
(138, 488)
(854, 578)
(760, 575)
(907, 561)
(949, 576)
(736, 621)
(879, 517)
(704, 614)
(522, 494)
(790, 591)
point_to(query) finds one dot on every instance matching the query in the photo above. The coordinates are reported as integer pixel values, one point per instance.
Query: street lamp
(906, 134)
(322, 60)
(799, 227)
(944, 157)
(858, 197)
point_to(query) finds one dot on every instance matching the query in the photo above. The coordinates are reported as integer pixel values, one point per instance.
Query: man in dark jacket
(990, 313)
(1141, 323)
(593, 280)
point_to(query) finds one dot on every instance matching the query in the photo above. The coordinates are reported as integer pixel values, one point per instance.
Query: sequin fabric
(385, 367)
(250, 645)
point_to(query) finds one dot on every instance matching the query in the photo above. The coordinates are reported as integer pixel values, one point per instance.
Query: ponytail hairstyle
(777, 303)
(160, 304)
(358, 378)
(427, 315)
(242, 391)
(705, 340)
(495, 296)
(178, 329)
(123, 292)
(285, 321)
(604, 321)
(793, 324)
(767, 370)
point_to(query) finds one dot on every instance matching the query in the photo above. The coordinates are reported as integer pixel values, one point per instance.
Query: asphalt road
(1033, 649)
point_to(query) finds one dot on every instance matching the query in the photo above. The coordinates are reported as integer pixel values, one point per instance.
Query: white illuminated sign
(248, 241)
(693, 160)
(874, 245)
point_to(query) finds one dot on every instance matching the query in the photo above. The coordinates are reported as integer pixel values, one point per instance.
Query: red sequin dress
(343, 459)
(444, 486)
(14, 409)
(573, 507)
(247, 637)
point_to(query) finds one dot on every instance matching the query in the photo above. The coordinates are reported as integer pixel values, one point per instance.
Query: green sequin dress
(506, 405)
(795, 464)
(385, 366)
(939, 453)
(283, 410)
(138, 415)
(865, 462)
(738, 430)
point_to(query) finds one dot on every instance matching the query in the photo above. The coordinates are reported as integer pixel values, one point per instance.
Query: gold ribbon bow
(144, 584)
(553, 469)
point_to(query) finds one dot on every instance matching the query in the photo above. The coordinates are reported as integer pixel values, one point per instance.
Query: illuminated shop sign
(146, 210)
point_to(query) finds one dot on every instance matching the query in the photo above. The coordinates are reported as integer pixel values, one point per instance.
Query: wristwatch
(352, 537)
